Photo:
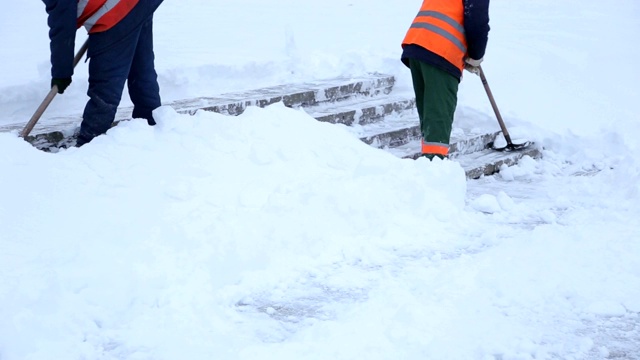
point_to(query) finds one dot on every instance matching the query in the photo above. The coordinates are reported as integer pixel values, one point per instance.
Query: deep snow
(273, 236)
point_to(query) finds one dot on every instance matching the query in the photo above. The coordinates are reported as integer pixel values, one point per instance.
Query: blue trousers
(121, 54)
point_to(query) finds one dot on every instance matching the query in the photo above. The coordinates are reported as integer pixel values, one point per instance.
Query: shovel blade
(511, 146)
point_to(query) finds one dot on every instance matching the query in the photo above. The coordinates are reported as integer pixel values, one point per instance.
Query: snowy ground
(273, 236)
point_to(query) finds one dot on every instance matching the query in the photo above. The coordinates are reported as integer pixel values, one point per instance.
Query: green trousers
(436, 99)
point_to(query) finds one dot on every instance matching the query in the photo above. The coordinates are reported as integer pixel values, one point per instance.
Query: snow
(273, 236)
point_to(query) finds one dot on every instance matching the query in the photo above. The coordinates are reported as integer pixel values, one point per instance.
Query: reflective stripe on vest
(445, 19)
(101, 15)
(433, 148)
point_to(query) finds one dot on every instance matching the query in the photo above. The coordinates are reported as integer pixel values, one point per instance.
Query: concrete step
(473, 155)
(363, 111)
(59, 126)
(401, 135)
(45, 125)
(460, 145)
(386, 136)
(292, 95)
(488, 162)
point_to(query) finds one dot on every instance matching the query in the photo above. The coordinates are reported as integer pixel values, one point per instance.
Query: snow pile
(151, 225)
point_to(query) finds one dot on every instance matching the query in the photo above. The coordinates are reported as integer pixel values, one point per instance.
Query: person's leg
(108, 71)
(439, 100)
(418, 88)
(143, 79)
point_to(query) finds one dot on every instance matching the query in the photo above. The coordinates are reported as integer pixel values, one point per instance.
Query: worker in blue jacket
(120, 50)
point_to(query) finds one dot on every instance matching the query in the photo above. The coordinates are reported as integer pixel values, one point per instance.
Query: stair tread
(475, 164)
(404, 121)
(356, 103)
(296, 94)
(488, 162)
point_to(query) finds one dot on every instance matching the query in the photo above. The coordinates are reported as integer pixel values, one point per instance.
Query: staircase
(365, 104)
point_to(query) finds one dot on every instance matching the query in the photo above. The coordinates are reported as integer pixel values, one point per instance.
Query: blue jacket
(476, 28)
(62, 22)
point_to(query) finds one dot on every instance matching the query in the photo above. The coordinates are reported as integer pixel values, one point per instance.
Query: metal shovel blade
(510, 146)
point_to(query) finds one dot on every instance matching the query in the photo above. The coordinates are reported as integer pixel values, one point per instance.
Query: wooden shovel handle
(52, 93)
(494, 106)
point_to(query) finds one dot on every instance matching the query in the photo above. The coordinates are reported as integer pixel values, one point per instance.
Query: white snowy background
(273, 236)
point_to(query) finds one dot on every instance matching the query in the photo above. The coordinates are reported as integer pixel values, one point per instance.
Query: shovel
(510, 145)
(52, 93)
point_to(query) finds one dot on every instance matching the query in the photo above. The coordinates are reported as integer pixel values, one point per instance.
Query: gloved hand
(472, 65)
(61, 83)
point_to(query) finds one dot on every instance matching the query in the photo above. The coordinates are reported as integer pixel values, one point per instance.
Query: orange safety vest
(102, 15)
(439, 28)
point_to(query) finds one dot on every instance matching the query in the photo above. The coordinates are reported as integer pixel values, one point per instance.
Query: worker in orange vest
(446, 37)
(120, 50)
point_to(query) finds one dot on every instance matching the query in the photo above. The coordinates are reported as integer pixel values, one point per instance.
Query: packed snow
(271, 235)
